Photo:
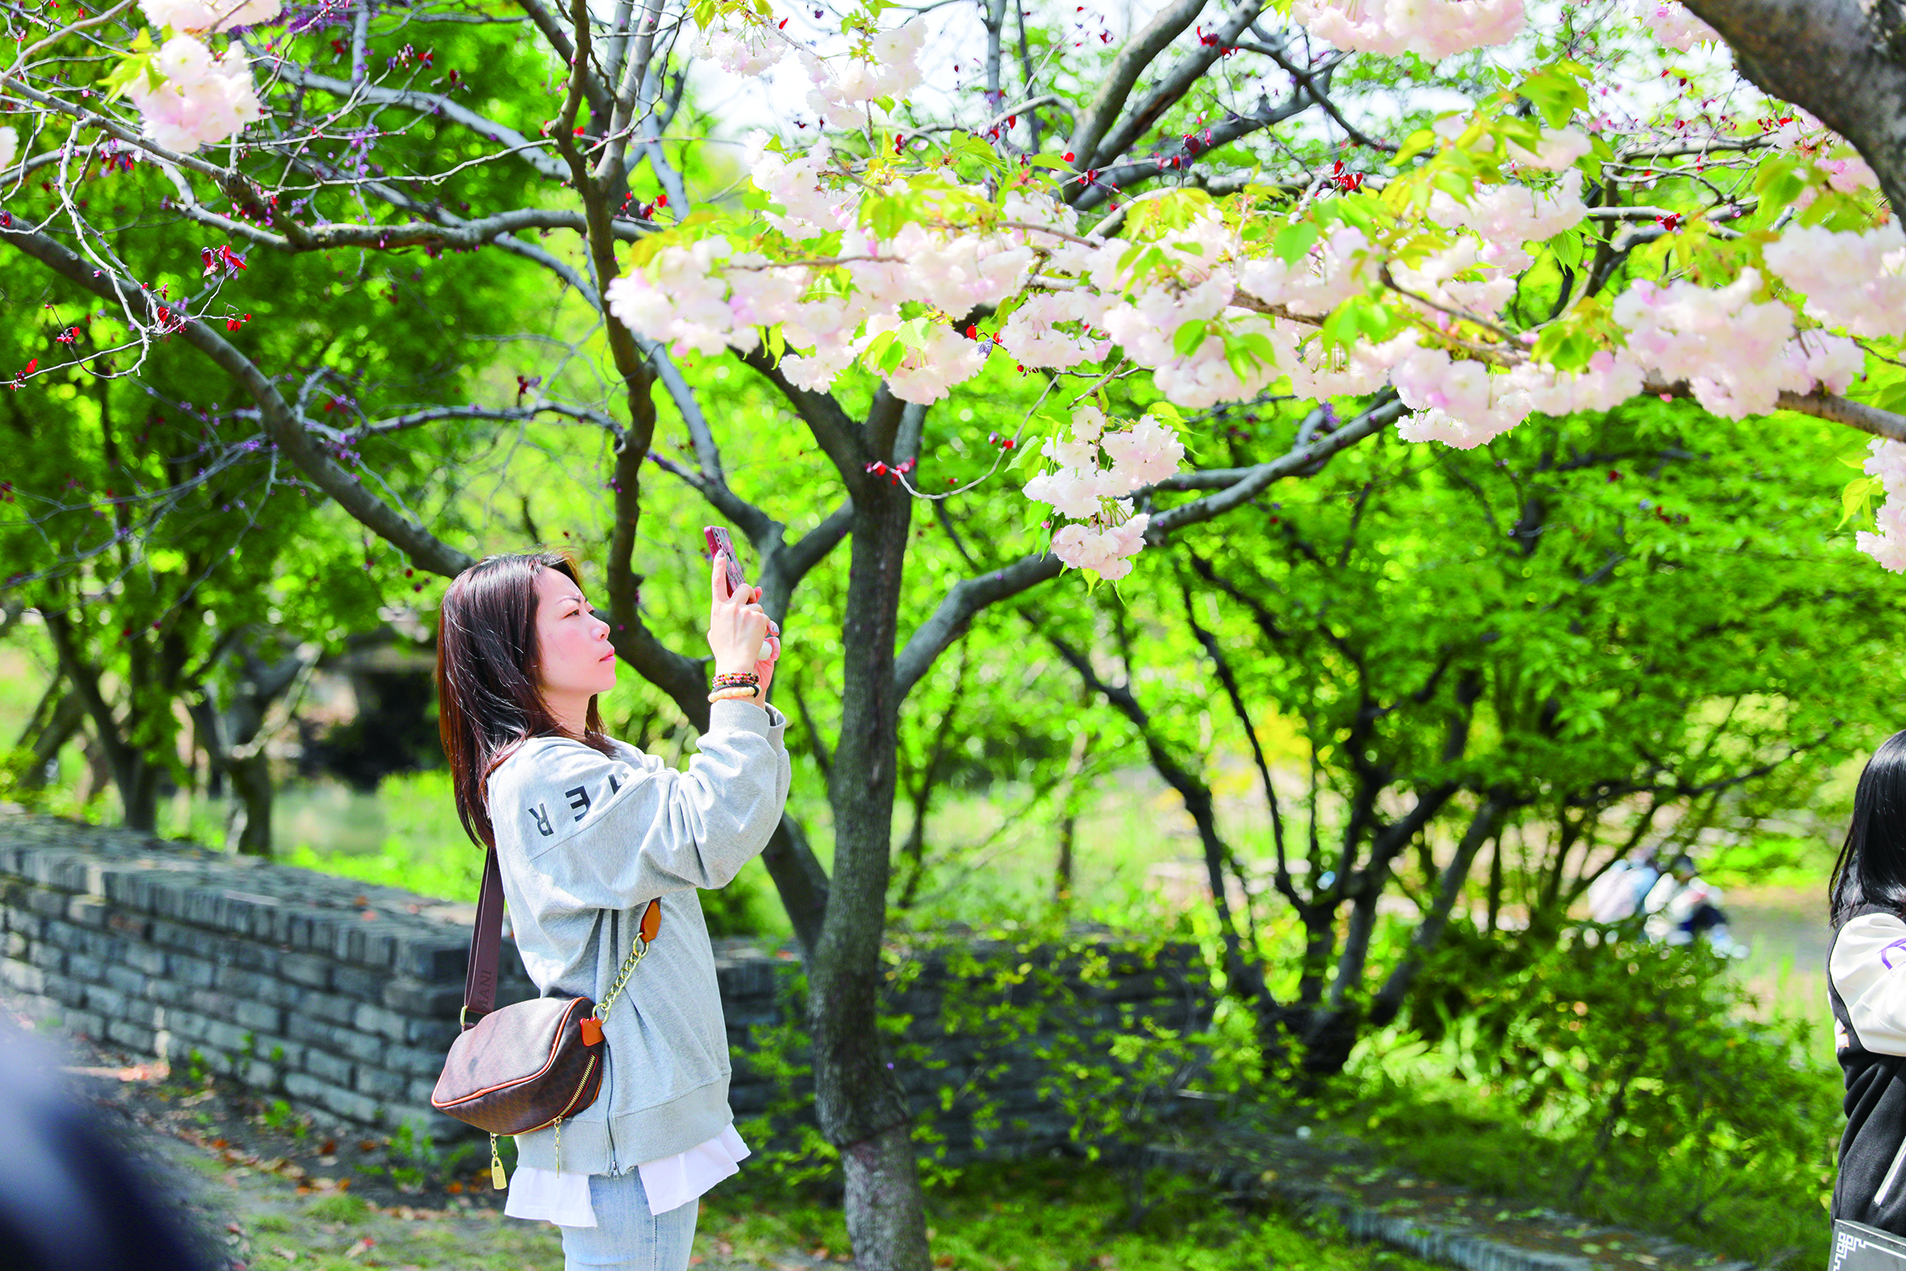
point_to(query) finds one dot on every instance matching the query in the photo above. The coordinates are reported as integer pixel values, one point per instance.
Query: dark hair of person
(489, 677)
(1871, 869)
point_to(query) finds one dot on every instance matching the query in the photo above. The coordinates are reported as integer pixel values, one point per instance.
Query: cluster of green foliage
(1621, 1080)
(1076, 1015)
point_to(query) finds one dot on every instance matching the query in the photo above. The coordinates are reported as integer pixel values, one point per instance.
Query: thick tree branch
(1166, 25)
(1172, 87)
(1109, 182)
(1839, 59)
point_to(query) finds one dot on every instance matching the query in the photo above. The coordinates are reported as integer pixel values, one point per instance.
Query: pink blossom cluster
(1461, 404)
(1105, 535)
(748, 49)
(201, 98)
(1887, 461)
(1106, 547)
(680, 299)
(1851, 280)
(1431, 29)
(208, 15)
(843, 86)
(1508, 215)
(1675, 26)
(1736, 354)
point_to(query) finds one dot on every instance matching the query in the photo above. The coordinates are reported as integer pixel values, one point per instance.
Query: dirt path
(262, 1189)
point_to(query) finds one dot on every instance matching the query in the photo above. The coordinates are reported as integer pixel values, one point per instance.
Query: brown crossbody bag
(532, 1064)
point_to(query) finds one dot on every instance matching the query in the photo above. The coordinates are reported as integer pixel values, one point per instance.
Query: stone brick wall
(341, 997)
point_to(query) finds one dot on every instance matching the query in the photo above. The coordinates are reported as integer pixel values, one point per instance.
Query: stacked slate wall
(341, 997)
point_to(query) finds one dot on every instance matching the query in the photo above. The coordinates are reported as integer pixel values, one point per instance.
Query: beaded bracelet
(737, 693)
(732, 679)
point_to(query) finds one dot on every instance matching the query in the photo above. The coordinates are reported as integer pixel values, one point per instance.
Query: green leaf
(1294, 241)
(1416, 143)
(1239, 359)
(1854, 498)
(1780, 181)
(1568, 250)
(1189, 337)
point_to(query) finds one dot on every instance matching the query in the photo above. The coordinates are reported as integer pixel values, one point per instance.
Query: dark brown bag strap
(486, 943)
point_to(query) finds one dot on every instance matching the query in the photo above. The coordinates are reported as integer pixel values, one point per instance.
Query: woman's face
(573, 644)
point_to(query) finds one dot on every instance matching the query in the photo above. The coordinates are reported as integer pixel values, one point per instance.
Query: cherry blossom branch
(26, 54)
(504, 414)
(1868, 419)
(113, 128)
(409, 536)
(969, 596)
(514, 142)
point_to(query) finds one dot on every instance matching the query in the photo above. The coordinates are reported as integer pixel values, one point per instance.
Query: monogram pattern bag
(533, 1064)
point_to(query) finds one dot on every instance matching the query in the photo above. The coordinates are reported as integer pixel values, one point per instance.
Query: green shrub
(1624, 1080)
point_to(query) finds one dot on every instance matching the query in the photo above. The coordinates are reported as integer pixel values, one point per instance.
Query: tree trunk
(137, 780)
(248, 830)
(1069, 811)
(54, 724)
(857, 1097)
(1839, 59)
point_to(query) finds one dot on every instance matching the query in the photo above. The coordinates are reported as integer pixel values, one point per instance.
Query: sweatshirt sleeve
(610, 833)
(1869, 970)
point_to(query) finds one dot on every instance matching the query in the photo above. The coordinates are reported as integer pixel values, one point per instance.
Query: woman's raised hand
(737, 627)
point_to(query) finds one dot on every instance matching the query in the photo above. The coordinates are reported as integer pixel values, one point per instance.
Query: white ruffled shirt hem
(671, 1182)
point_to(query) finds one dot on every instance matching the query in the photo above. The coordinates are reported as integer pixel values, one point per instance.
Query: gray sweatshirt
(585, 842)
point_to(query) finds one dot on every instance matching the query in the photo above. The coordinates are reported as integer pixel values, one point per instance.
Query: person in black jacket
(70, 1200)
(1866, 984)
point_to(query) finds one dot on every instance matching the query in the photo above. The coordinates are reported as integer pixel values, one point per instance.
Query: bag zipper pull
(498, 1179)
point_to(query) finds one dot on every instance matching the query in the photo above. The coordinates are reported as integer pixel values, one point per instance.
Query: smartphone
(716, 536)
(720, 543)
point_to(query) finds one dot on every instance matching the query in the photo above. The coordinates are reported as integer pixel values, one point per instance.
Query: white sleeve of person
(1869, 970)
(604, 833)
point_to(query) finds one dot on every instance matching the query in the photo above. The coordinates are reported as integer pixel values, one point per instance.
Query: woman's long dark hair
(1871, 869)
(489, 677)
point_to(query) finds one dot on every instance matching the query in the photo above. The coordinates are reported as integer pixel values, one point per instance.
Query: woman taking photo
(588, 830)
(1867, 988)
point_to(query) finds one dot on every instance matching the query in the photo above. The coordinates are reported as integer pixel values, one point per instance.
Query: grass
(1054, 1216)
(1458, 1132)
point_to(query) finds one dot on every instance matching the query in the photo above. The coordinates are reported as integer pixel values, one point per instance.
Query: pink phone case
(719, 543)
(716, 536)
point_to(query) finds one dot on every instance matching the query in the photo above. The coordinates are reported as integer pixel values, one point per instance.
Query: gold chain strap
(636, 954)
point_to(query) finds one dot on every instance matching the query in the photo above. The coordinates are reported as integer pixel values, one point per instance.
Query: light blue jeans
(627, 1237)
